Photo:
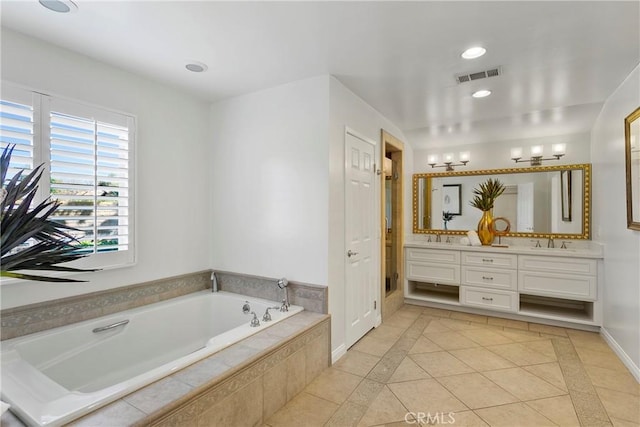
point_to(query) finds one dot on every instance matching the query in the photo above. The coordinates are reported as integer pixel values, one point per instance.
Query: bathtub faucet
(267, 315)
(214, 282)
(282, 284)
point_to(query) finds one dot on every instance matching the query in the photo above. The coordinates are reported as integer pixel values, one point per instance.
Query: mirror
(538, 202)
(632, 157)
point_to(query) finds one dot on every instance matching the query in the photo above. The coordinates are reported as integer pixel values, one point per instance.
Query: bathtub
(55, 376)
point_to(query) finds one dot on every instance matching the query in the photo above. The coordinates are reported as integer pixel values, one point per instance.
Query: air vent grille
(492, 72)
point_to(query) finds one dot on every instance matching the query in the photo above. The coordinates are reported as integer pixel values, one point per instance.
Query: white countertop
(590, 249)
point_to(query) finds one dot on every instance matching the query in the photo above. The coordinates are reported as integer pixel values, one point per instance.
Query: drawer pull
(487, 299)
(487, 278)
(487, 260)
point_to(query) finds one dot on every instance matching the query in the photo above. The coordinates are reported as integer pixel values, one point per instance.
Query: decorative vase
(485, 231)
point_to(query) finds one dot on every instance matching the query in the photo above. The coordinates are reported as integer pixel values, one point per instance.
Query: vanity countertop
(591, 249)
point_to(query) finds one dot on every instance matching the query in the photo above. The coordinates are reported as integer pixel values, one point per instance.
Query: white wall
(621, 288)
(269, 174)
(172, 167)
(347, 110)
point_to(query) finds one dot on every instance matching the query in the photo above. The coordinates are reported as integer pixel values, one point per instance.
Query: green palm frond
(485, 196)
(21, 224)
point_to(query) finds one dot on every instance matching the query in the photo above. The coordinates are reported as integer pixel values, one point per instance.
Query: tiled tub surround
(58, 375)
(243, 384)
(38, 317)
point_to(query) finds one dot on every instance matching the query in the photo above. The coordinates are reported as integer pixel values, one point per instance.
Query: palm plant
(486, 195)
(53, 244)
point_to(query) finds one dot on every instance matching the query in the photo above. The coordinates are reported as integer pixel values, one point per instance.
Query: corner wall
(171, 166)
(621, 288)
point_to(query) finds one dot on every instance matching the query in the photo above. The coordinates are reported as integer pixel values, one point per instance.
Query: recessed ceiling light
(481, 93)
(60, 6)
(196, 67)
(474, 52)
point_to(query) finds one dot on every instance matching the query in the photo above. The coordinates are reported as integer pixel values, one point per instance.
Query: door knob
(350, 253)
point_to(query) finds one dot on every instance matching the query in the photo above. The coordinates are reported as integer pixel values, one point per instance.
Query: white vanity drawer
(433, 255)
(558, 264)
(490, 260)
(490, 277)
(433, 273)
(572, 286)
(489, 298)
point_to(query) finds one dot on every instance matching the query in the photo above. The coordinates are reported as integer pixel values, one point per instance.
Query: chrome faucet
(438, 238)
(550, 243)
(267, 315)
(254, 322)
(282, 284)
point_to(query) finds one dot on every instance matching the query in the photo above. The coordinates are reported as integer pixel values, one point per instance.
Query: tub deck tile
(157, 395)
(119, 413)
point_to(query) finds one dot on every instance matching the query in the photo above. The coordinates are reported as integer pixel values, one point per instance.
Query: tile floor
(469, 370)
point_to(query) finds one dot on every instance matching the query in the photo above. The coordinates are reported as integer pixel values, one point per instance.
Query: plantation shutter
(16, 127)
(90, 177)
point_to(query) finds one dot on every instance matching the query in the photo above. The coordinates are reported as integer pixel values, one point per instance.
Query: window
(88, 158)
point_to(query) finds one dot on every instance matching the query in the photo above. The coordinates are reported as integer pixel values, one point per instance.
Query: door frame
(394, 300)
(376, 232)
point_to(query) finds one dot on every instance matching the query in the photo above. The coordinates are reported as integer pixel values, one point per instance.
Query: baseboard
(619, 351)
(338, 353)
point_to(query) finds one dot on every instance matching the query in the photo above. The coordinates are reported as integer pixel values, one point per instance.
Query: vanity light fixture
(537, 158)
(474, 52)
(448, 160)
(60, 6)
(482, 93)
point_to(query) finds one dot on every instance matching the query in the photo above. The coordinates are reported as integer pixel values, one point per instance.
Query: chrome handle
(111, 326)
(487, 299)
(486, 260)
(351, 253)
(487, 278)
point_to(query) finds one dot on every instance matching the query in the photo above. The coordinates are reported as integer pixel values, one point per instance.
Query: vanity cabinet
(550, 286)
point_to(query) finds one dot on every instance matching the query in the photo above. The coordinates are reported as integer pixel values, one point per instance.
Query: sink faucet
(550, 243)
(282, 284)
(438, 238)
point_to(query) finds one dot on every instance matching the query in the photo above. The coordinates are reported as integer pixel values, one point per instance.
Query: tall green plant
(19, 224)
(487, 194)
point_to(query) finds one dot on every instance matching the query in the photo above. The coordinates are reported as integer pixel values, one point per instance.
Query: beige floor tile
(519, 335)
(550, 372)
(514, 414)
(559, 409)
(373, 346)
(436, 326)
(386, 333)
(400, 320)
(466, 419)
(408, 370)
(613, 379)
(386, 408)
(348, 414)
(623, 406)
(622, 423)
(333, 385)
(468, 317)
(600, 358)
(426, 396)
(519, 354)
(440, 364)
(486, 337)
(461, 325)
(424, 345)
(508, 323)
(451, 340)
(551, 330)
(436, 312)
(357, 363)
(543, 347)
(481, 359)
(588, 340)
(303, 410)
(476, 391)
(522, 384)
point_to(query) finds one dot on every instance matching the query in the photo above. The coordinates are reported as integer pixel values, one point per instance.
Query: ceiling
(559, 60)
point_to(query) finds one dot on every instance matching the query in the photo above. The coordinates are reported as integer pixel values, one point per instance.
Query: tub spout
(267, 315)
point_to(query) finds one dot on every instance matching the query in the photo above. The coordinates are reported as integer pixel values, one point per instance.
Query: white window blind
(88, 157)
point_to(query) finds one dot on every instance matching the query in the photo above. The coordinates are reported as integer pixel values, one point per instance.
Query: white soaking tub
(55, 376)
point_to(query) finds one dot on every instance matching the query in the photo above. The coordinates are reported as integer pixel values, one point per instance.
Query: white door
(360, 238)
(525, 207)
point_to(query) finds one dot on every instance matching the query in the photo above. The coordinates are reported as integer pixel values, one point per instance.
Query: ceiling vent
(492, 72)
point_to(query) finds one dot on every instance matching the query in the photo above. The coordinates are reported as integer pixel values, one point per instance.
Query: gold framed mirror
(533, 201)
(632, 159)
